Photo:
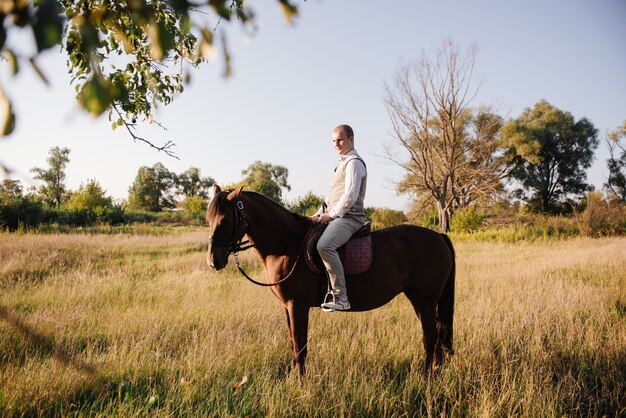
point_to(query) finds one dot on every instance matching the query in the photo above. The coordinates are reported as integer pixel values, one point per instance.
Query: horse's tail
(445, 306)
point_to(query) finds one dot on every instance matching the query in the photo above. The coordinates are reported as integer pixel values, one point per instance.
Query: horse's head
(226, 226)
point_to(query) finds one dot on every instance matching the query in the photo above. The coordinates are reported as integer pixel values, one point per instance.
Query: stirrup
(332, 296)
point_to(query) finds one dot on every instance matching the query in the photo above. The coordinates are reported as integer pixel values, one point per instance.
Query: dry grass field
(136, 325)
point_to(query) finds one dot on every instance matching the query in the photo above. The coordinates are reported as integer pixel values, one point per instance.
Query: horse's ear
(235, 193)
(213, 191)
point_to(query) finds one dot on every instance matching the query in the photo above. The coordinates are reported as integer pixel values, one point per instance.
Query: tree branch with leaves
(127, 57)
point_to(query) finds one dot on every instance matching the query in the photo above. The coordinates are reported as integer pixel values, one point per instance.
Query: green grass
(136, 325)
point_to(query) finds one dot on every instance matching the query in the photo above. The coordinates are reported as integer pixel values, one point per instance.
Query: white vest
(337, 186)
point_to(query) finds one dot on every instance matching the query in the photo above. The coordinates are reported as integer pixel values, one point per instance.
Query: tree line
(154, 190)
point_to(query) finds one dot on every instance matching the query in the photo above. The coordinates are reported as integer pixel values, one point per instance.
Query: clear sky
(293, 84)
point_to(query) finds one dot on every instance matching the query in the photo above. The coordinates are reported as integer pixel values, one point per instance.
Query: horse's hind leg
(429, 329)
(427, 314)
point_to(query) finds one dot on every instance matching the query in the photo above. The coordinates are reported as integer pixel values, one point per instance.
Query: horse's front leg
(291, 339)
(298, 320)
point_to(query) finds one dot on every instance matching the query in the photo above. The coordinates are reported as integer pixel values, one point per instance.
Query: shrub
(467, 220)
(139, 216)
(602, 218)
(384, 217)
(194, 204)
(16, 210)
(90, 204)
(179, 217)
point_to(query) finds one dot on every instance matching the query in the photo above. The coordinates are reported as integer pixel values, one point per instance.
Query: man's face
(341, 142)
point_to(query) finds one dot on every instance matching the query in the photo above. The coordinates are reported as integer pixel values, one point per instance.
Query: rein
(236, 257)
(235, 247)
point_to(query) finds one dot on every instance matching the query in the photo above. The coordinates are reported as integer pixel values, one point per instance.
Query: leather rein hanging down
(233, 247)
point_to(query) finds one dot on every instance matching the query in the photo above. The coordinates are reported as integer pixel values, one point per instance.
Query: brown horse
(409, 259)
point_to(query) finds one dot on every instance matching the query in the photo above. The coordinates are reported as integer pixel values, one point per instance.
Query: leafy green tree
(616, 142)
(307, 205)
(267, 179)
(53, 192)
(549, 152)
(90, 197)
(125, 57)
(10, 186)
(153, 189)
(90, 204)
(191, 184)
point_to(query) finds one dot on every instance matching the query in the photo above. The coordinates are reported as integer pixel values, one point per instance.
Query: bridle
(234, 245)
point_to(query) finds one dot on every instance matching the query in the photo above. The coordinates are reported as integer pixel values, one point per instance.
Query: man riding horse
(408, 259)
(344, 214)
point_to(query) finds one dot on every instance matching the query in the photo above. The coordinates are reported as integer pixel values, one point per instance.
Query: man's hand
(323, 218)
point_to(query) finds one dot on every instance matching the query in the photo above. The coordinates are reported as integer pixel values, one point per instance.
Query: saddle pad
(355, 255)
(358, 255)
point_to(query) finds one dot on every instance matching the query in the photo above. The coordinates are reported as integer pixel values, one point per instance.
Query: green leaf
(245, 16)
(289, 10)
(185, 24)
(220, 8)
(13, 63)
(228, 69)
(180, 6)
(88, 34)
(7, 117)
(206, 49)
(3, 34)
(48, 25)
(96, 95)
(162, 40)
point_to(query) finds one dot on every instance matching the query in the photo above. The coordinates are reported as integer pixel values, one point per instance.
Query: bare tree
(452, 149)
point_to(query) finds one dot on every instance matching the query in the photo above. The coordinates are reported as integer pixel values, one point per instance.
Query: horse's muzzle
(216, 262)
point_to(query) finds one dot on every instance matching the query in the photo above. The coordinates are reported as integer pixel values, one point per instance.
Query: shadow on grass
(135, 391)
(45, 344)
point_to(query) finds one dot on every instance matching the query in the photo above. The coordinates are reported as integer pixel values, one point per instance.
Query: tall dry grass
(118, 325)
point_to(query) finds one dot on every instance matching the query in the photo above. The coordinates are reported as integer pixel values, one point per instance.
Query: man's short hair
(347, 130)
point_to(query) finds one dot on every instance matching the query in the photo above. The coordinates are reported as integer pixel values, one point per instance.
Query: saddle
(355, 255)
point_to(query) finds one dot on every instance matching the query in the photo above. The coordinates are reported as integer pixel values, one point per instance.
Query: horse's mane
(301, 220)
